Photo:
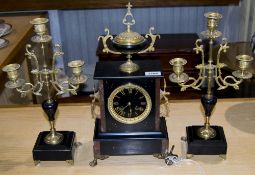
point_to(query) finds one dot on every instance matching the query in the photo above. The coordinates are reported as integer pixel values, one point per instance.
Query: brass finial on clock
(129, 42)
(128, 39)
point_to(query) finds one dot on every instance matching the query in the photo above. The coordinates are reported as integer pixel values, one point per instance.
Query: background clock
(129, 121)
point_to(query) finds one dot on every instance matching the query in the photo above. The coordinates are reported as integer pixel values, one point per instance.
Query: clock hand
(129, 104)
(130, 109)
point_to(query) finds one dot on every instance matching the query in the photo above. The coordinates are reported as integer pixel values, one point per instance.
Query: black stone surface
(110, 70)
(199, 146)
(127, 48)
(60, 152)
(131, 143)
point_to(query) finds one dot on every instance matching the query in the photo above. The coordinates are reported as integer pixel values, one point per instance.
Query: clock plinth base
(63, 151)
(130, 143)
(199, 146)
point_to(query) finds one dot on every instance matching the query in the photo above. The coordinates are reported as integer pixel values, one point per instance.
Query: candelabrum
(45, 76)
(210, 73)
(129, 42)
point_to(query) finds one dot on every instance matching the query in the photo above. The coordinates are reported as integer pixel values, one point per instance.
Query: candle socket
(244, 62)
(178, 76)
(13, 76)
(76, 67)
(40, 27)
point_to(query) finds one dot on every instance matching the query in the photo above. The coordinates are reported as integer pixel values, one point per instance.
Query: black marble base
(199, 146)
(60, 152)
(130, 143)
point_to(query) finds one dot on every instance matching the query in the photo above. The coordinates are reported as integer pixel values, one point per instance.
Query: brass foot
(223, 156)
(189, 156)
(93, 163)
(159, 155)
(77, 144)
(71, 162)
(36, 162)
(100, 157)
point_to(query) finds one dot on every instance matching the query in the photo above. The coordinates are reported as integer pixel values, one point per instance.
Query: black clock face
(129, 103)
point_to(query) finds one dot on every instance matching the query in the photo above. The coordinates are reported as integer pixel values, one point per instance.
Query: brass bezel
(133, 120)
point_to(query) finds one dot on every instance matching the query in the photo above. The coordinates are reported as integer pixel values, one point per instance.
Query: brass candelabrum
(210, 72)
(128, 42)
(45, 75)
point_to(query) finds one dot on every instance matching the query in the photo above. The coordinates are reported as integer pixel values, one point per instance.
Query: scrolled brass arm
(223, 83)
(104, 40)
(29, 87)
(62, 87)
(57, 53)
(31, 56)
(196, 83)
(153, 37)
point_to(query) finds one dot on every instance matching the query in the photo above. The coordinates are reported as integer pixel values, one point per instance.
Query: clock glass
(129, 103)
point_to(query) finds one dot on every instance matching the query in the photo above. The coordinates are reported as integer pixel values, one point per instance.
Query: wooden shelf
(14, 5)
(21, 33)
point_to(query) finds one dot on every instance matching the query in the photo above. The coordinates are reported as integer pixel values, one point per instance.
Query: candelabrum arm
(64, 86)
(104, 40)
(223, 83)
(31, 56)
(196, 83)
(61, 86)
(29, 87)
(57, 53)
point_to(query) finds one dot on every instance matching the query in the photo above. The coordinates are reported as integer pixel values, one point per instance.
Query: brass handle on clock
(95, 97)
(163, 95)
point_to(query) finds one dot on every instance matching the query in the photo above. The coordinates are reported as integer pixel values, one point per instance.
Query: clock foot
(70, 162)
(223, 156)
(36, 162)
(189, 156)
(100, 157)
(159, 155)
(93, 162)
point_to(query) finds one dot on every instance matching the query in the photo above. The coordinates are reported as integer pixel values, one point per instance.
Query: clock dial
(129, 103)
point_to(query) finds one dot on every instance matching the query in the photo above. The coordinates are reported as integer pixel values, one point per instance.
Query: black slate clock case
(112, 137)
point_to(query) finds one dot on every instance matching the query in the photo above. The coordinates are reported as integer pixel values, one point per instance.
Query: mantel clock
(129, 121)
